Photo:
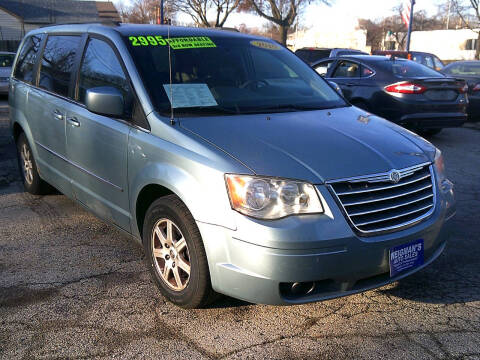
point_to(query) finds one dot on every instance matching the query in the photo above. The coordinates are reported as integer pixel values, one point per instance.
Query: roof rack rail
(102, 22)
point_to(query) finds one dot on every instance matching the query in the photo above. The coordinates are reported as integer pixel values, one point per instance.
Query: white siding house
(446, 44)
(11, 26)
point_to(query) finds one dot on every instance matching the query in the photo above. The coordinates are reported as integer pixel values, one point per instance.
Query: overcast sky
(341, 14)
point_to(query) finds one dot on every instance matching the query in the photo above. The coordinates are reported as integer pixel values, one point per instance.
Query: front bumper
(433, 120)
(255, 262)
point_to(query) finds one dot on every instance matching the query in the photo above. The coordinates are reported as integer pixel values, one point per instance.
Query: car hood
(313, 145)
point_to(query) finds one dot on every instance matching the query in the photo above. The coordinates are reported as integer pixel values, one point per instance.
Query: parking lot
(73, 287)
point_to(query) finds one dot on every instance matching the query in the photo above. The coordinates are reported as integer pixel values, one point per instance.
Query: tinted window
(347, 69)
(468, 69)
(26, 59)
(6, 60)
(236, 76)
(438, 63)
(101, 67)
(406, 68)
(57, 63)
(323, 67)
(312, 55)
(428, 61)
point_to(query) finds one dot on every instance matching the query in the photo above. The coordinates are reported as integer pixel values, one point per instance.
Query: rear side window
(57, 63)
(26, 60)
(101, 67)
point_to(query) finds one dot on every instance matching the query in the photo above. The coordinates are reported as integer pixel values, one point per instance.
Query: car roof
(369, 58)
(143, 29)
(470, 62)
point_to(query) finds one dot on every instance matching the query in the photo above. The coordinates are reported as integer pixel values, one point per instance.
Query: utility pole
(448, 13)
(410, 25)
(161, 12)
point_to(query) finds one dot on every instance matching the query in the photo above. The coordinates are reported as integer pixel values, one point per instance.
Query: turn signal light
(405, 87)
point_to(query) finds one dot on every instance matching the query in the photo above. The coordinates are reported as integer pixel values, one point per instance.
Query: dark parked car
(420, 57)
(470, 72)
(399, 90)
(6, 61)
(313, 54)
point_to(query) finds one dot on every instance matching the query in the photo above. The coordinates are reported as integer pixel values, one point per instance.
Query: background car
(399, 90)
(424, 58)
(313, 54)
(470, 72)
(6, 61)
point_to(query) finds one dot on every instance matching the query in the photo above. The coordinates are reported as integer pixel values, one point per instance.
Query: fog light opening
(302, 288)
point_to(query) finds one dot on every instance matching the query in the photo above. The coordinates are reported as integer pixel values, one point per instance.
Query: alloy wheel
(27, 165)
(170, 254)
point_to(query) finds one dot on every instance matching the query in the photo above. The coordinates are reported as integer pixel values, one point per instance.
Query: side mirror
(105, 100)
(336, 87)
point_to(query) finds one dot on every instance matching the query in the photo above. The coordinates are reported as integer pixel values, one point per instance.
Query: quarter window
(323, 67)
(101, 67)
(57, 63)
(27, 58)
(347, 69)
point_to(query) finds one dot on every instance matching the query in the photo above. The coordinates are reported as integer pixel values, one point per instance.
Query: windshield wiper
(292, 107)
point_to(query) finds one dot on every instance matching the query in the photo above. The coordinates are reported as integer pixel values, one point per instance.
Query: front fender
(195, 173)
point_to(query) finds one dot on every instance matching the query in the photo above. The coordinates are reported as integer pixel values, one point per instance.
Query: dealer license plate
(406, 257)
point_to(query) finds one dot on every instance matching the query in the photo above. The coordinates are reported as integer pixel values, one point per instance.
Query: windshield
(6, 60)
(226, 75)
(408, 69)
(467, 69)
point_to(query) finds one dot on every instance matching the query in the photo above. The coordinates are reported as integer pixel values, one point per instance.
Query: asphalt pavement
(74, 287)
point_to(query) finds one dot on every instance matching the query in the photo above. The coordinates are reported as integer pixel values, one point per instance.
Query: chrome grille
(373, 203)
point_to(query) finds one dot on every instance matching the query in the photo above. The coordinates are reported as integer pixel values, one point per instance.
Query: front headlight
(439, 166)
(271, 198)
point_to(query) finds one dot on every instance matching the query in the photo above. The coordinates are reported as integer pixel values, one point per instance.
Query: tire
(188, 290)
(28, 169)
(429, 132)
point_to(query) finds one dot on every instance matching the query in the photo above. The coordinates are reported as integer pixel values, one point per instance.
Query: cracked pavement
(74, 287)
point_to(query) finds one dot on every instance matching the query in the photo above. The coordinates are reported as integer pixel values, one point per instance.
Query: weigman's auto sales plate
(406, 257)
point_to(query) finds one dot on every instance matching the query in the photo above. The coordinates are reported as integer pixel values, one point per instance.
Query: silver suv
(239, 169)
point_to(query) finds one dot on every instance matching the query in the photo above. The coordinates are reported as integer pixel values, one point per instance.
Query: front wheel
(175, 253)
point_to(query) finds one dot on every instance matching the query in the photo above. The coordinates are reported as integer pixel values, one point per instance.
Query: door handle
(73, 121)
(57, 115)
(350, 84)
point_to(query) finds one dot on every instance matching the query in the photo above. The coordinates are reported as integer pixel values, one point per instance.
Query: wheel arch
(17, 129)
(147, 195)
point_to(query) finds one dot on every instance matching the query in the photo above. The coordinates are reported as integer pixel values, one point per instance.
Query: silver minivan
(239, 169)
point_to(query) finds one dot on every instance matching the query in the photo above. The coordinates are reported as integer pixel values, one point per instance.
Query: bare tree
(469, 13)
(282, 13)
(144, 11)
(376, 30)
(198, 10)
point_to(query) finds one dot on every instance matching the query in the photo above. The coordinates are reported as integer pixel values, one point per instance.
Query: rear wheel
(28, 168)
(175, 253)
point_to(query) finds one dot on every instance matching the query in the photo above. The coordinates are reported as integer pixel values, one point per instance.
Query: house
(446, 44)
(17, 17)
